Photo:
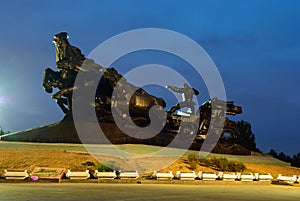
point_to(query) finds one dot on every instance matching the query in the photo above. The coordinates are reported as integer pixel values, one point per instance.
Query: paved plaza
(205, 192)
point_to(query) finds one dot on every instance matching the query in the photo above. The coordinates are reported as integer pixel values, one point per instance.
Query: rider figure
(66, 54)
(187, 96)
(69, 61)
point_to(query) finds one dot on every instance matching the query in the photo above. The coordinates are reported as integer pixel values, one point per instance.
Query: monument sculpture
(70, 61)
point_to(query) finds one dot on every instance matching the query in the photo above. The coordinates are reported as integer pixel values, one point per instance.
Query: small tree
(284, 157)
(245, 136)
(281, 156)
(273, 153)
(296, 160)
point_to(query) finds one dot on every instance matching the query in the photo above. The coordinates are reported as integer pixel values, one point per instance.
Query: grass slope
(16, 155)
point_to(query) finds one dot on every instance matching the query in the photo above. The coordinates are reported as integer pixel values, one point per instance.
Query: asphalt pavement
(126, 192)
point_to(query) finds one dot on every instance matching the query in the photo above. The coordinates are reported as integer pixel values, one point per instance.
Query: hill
(18, 155)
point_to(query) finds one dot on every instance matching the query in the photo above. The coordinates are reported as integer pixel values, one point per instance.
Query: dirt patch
(272, 169)
(29, 159)
(20, 159)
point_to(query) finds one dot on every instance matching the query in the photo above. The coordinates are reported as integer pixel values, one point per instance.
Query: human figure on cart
(187, 96)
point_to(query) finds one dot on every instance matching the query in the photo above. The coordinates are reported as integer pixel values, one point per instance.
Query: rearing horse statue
(70, 60)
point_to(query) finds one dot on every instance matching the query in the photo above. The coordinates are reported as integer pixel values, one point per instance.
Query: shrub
(193, 157)
(193, 161)
(89, 163)
(107, 167)
(222, 164)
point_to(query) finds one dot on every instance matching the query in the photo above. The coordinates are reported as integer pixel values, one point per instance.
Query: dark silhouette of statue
(70, 60)
(187, 96)
(113, 94)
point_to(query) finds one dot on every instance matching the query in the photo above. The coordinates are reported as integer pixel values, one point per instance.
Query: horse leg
(62, 92)
(61, 103)
(64, 101)
(50, 76)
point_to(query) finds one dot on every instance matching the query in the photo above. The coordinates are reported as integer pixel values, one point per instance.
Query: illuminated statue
(187, 96)
(206, 114)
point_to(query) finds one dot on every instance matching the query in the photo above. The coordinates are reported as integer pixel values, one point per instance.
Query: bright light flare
(2, 100)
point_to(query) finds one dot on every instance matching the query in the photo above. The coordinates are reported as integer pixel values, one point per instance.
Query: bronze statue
(203, 117)
(58, 80)
(205, 113)
(70, 60)
(113, 92)
(65, 51)
(187, 96)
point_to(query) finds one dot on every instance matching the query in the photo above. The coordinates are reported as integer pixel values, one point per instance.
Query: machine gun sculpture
(69, 61)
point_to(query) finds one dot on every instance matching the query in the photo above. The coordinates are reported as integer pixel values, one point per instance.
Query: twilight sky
(254, 44)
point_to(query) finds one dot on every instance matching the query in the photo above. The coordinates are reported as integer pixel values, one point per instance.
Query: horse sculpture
(68, 61)
(57, 79)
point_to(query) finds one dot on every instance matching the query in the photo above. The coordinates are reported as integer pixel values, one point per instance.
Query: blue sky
(254, 44)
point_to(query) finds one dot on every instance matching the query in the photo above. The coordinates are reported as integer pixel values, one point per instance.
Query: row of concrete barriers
(224, 176)
(228, 176)
(21, 175)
